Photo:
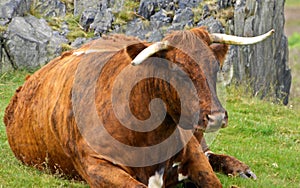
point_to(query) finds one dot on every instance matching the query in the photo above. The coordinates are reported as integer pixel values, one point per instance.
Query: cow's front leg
(196, 166)
(225, 163)
(229, 165)
(101, 173)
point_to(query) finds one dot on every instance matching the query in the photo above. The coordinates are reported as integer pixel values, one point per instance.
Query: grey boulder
(31, 42)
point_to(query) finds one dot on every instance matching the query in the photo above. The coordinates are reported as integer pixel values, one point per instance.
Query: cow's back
(29, 117)
(39, 120)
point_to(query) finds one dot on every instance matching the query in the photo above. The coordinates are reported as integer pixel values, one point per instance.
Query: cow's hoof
(230, 166)
(248, 174)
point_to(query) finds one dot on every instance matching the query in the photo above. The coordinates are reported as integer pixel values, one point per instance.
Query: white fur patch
(78, 53)
(156, 181)
(176, 164)
(182, 177)
(207, 153)
(89, 51)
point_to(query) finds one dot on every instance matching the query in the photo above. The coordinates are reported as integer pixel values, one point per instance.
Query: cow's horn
(150, 50)
(230, 39)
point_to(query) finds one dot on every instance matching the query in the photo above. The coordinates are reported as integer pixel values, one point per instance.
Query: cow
(120, 112)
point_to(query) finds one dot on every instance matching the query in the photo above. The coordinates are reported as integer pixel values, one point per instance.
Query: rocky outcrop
(161, 17)
(213, 25)
(53, 8)
(81, 6)
(264, 65)
(12, 8)
(95, 15)
(103, 22)
(30, 42)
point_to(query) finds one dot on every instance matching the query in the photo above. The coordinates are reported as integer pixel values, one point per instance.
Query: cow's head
(199, 54)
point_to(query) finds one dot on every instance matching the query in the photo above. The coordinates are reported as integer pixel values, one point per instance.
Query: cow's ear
(134, 49)
(220, 51)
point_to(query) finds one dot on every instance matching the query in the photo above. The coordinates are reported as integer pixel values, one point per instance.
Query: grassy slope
(265, 136)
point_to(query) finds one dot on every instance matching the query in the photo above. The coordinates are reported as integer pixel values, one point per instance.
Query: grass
(263, 135)
(223, 15)
(75, 29)
(291, 3)
(3, 28)
(126, 13)
(69, 5)
(266, 137)
(294, 40)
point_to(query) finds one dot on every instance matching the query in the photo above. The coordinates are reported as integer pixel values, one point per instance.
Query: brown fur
(227, 164)
(41, 125)
(220, 51)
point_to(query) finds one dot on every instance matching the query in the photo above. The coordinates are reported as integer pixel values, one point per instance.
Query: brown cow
(90, 113)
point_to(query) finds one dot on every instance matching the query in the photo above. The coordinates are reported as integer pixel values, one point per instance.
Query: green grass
(266, 137)
(294, 40)
(292, 3)
(263, 135)
(126, 13)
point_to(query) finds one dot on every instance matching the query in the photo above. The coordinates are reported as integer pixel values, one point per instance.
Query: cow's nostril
(226, 116)
(206, 118)
(224, 123)
(217, 120)
(210, 117)
(225, 120)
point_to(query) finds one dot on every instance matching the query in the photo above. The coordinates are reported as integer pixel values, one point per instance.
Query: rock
(222, 4)
(82, 5)
(167, 5)
(159, 23)
(87, 18)
(54, 46)
(96, 15)
(160, 19)
(5, 62)
(155, 36)
(138, 28)
(152, 30)
(53, 8)
(147, 8)
(12, 8)
(78, 42)
(264, 65)
(189, 3)
(206, 12)
(31, 42)
(185, 16)
(103, 22)
(64, 29)
(213, 25)
(182, 19)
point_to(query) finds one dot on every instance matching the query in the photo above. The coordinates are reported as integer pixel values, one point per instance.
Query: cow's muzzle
(216, 120)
